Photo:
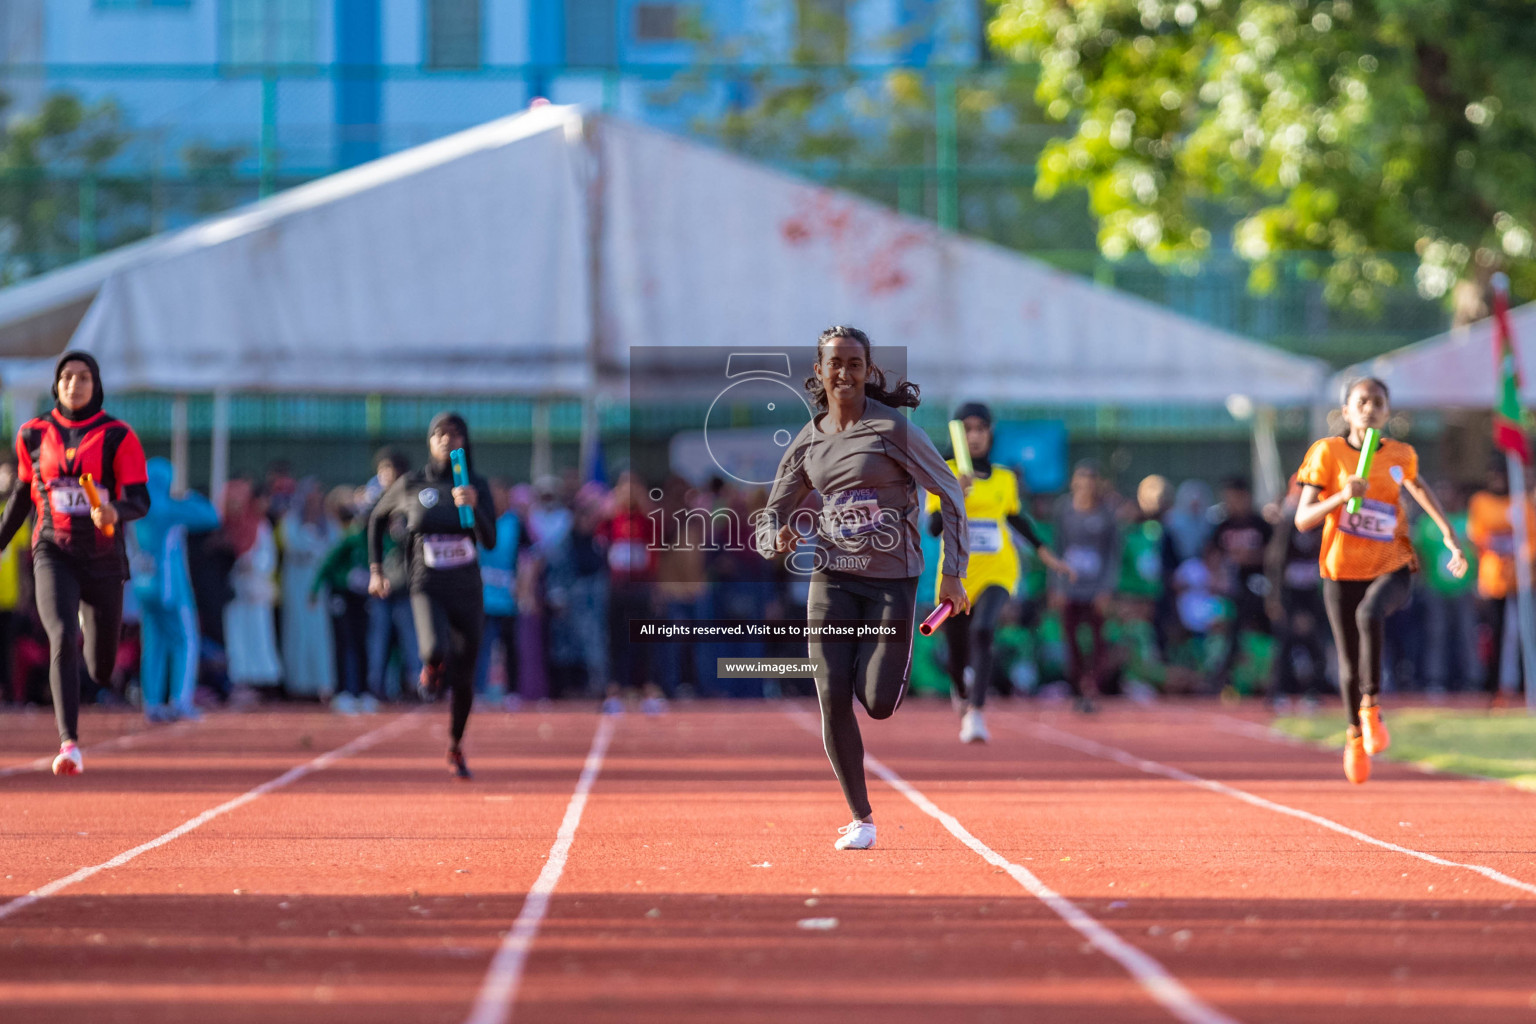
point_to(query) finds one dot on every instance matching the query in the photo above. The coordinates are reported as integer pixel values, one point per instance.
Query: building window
(269, 31)
(821, 31)
(657, 23)
(591, 33)
(453, 34)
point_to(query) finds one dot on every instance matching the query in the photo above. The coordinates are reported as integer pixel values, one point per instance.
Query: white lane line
(292, 775)
(499, 990)
(1151, 975)
(1095, 749)
(43, 764)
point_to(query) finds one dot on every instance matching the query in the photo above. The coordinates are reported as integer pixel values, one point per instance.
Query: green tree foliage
(1352, 129)
(43, 156)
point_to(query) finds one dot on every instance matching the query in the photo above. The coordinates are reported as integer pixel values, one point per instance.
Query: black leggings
(1357, 610)
(874, 672)
(71, 604)
(448, 629)
(970, 645)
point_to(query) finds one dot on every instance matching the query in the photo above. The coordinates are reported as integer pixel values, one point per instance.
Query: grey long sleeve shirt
(869, 478)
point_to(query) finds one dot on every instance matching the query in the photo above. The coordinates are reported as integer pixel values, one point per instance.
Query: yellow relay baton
(962, 448)
(94, 497)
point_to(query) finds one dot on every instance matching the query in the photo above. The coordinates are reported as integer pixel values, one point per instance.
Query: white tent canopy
(459, 266)
(468, 265)
(702, 247)
(1456, 369)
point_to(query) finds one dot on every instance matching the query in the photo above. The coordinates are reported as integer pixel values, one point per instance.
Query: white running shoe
(857, 835)
(368, 704)
(344, 704)
(613, 706)
(69, 761)
(653, 706)
(973, 727)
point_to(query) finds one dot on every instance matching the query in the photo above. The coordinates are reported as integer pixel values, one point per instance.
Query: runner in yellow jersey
(993, 512)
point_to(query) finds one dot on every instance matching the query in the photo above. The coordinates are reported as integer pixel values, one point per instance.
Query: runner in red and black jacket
(80, 571)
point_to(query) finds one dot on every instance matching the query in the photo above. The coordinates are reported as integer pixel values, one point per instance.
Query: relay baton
(461, 479)
(962, 448)
(936, 617)
(94, 497)
(1367, 454)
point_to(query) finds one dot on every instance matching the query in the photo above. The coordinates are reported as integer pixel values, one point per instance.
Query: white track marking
(1095, 749)
(1152, 976)
(499, 990)
(292, 775)
(43, 764)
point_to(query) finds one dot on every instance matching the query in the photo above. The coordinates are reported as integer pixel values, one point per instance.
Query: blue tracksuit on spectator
(163, 587)
(498, 574)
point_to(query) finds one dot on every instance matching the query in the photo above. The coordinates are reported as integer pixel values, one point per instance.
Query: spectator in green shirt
(1450, 604)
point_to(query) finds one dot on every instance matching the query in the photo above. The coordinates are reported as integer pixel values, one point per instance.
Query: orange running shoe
(1374, 730)
(1357, 763)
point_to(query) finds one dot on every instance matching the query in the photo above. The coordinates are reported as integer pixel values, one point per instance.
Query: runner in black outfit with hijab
(79, 569)
(447, 599)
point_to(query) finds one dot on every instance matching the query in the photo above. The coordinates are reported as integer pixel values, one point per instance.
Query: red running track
(1191, 869)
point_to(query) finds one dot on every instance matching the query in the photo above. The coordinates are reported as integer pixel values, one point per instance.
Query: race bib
(67, 498)
(1149, 565)
(852, 513)
(447, 550)
(1302, 575)
(986, 536)
(1376, 521)
(1083, 561)
(497, 579)
(628, 556)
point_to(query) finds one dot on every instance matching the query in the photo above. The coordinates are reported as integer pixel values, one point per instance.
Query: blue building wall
(356, 82)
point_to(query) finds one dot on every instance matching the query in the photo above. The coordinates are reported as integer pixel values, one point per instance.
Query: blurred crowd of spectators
(1174, 590)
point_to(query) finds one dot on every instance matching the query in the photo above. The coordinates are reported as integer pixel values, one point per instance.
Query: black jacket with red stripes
(52, 453)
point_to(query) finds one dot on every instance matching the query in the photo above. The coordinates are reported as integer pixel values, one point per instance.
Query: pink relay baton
(936, 617)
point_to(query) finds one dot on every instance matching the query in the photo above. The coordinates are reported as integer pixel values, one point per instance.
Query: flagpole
(1523, 607)
(1525, 612)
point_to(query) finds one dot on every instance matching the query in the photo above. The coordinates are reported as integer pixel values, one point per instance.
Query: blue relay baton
(461, 479)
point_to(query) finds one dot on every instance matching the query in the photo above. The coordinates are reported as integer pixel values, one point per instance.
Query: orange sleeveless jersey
(1375, 541)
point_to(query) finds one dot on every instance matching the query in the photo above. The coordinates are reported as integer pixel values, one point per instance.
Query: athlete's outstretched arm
(790, 486)
(128, 469)
(932, 474)
(20, 504)
(378, 520)
(16, 512)
(1431, 506)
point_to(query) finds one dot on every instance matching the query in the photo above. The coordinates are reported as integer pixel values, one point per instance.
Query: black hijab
(455, 421)
(97, 394)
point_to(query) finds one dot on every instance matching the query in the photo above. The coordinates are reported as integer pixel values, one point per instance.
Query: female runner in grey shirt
(866, 462)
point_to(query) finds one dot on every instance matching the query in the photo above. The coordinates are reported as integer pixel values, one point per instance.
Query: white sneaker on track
(69, 762)
(973, 727)
(858, 835)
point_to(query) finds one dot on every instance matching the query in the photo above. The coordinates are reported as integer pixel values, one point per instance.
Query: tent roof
(466, 265)
(1455, 369)
(702, 247)
(421, 271)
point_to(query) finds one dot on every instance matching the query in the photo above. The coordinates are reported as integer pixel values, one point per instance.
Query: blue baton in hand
(461, 479)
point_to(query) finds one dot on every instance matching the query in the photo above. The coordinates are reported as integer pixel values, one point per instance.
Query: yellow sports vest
(994, 560)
